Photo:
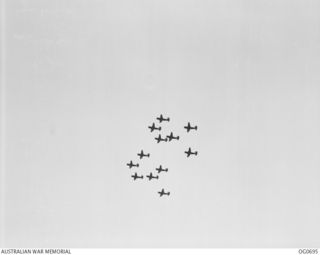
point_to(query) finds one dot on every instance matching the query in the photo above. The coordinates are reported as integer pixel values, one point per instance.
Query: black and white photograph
(160, 124)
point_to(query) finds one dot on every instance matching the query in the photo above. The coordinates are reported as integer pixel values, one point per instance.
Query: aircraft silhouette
(171, 137)
(160, 169)
(141, 154)
(160, 139)
(136, 176)
(162, 119)
(189, 127)
(163, 193)
(189, 152)
(130, 165)
(150, 176)
(153, 127)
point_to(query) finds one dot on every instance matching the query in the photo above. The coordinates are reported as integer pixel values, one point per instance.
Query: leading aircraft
(189, 127)
(161, 193)
(141, 155)
(162, 119)
(189, 152)
(150, 176)
(171, 137)
(136, 176)
(160, 139)
(160, 169)
(153, 127)
(130, 165)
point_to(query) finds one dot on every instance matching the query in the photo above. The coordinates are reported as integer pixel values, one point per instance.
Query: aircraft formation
(161, 138)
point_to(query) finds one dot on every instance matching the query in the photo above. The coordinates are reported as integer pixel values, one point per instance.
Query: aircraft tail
(137, 165)
(196, 153)
(196, 128)
(168, 193)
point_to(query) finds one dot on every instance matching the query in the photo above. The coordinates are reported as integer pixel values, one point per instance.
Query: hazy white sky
(84, 79)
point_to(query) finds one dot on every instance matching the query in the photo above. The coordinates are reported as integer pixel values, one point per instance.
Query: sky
(84, 79)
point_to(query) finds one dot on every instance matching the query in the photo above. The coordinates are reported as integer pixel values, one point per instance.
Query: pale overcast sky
(84, 79)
